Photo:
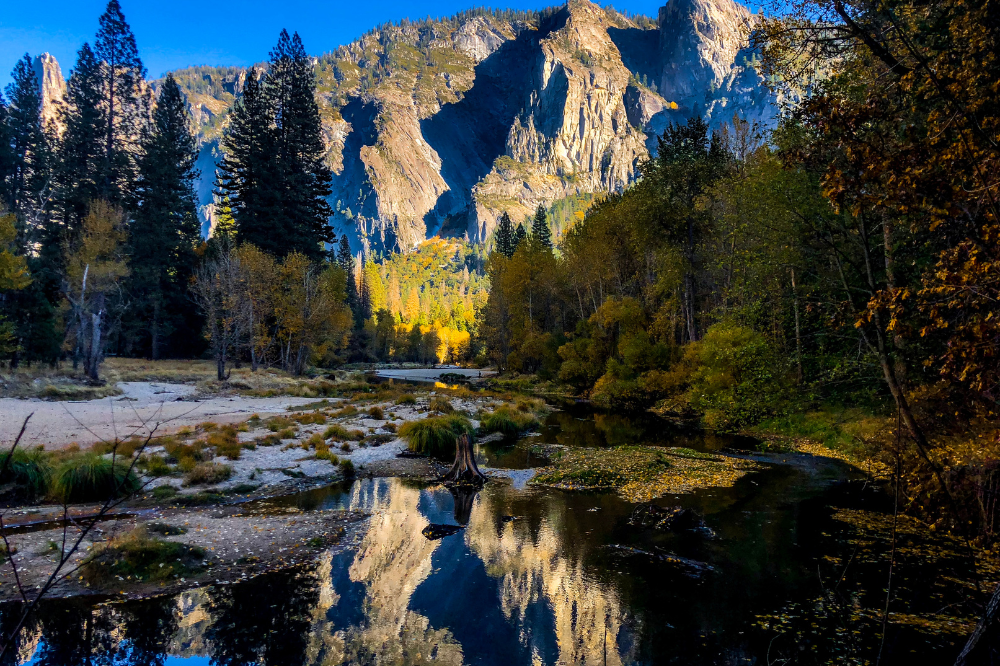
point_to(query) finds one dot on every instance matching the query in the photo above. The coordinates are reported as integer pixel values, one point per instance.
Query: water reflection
(506, 589)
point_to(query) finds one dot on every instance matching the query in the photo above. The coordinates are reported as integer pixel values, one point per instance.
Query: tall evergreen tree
(78, 171)
(519, 237)
(27, 170)
(346, 261)
(6, 154)
(122, 74)
(540, 232)
(504, 237)
(34, 309)
(303, 176)
(247, 171)
(165, 228)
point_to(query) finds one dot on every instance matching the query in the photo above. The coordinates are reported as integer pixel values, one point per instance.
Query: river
(530, 576)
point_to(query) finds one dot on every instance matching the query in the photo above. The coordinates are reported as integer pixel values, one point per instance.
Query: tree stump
(465, 471)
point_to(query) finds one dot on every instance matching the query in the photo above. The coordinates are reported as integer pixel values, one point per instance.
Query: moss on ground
(640, 473)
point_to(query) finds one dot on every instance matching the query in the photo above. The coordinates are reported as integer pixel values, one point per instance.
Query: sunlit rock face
(52, 86)
(437, 128)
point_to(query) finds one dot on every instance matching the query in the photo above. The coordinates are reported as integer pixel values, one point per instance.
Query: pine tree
(504, 238)
(34, 309)
(247, 171)
(165, 229)
(303, 176)
(6, 154)
(346, 261)
(540, 228)
(122, 73)
(519, 236)
(27, 170)
(81, 149)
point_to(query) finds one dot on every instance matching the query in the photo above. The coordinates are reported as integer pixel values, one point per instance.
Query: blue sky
(180, 33)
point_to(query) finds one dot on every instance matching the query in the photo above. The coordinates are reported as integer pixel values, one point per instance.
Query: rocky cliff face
(438, 127)
(52, 86)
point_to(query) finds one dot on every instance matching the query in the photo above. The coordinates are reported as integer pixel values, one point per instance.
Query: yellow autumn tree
(95, 265)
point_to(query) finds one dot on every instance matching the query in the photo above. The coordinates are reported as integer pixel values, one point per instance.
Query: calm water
(535, 577)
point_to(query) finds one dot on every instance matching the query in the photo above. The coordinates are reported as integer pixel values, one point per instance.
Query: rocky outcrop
(438, 127)
(52, 86)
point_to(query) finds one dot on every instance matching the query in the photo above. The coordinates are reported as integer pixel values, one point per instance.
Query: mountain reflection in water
(533, 576)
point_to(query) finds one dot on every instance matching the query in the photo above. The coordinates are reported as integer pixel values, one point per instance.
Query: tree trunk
(465, 471)
(464, 497)
(798, 329)
(154, 351)
(93, 362)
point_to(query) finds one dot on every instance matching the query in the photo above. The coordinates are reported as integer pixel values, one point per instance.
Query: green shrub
(440, 405)
(154, 466)
(323, 453)
(376, 413)
(287, 433)
(29, 470)
(278, 423)
(93, 478)
(164, 492)
(138, 556)
(738, 380)
(347, 468)
(226, 442)
(349, 410)
(508, 420)
(436, 435)
(406, 399)
(208, 473)
(339, 432)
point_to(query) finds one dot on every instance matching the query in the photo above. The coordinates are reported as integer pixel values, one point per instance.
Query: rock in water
(434, 532)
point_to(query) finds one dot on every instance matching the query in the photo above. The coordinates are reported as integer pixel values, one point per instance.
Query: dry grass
(63, 383)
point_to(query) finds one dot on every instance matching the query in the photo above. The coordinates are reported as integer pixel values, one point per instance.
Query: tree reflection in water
(266, 620)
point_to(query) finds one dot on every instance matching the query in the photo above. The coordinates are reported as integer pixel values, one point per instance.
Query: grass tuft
(207, 473)
(508, 420)
(30, 471)
(435, 435)
(92, 478)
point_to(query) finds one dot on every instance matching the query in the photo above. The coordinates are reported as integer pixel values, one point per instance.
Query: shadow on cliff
(471, 133)
(640, 51)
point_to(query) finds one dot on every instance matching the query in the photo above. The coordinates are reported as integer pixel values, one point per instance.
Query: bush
(737, 380)
(347, 469)
(164, 492)
(339, 432)
(179, 452)
(406, 399)
(323, 453)
(226, 442)
(278, 423)
(376, 413)
(138, 556)
(93, 478)
(389, 427)
(508, 420)
(30, 471)
(436, 435)
(440, 405)
(154, 466)
(208, 473)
